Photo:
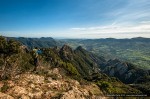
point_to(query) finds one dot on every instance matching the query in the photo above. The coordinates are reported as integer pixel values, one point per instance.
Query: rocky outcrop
(75, 93)
(119, 68)
(66, 53)
(126, 72)
(37, 86)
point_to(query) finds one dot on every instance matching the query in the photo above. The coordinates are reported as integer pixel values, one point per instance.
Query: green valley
(135, 50)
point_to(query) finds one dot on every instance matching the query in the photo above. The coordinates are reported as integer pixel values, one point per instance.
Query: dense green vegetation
(13, 58)
(143, 84)
(8, 47)
(115, 87)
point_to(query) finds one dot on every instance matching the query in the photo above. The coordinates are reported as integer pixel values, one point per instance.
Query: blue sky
(75, 18)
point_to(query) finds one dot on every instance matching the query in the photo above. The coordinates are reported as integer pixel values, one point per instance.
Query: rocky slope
(52, 86)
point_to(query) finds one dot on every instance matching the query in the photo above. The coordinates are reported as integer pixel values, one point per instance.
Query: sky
(75, 18)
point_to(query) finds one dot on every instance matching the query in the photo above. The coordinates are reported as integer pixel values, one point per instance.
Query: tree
(7, 48)
(3, 45)
(13, 46)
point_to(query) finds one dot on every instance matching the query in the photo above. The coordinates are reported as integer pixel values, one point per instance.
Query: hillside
(135, 50)
(48, 82)
(43, 42)
(62, 73)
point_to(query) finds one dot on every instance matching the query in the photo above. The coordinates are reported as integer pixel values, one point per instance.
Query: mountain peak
(80, 48)
(46, 38)
(114, 61)
(66, 48)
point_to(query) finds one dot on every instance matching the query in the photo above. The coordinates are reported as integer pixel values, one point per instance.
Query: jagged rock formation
(126, 72)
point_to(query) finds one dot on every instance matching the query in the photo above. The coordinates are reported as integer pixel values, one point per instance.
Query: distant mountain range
(43, 42)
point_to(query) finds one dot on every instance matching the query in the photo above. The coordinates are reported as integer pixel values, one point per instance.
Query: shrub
(13, 46)
(9, 47)
(71, 69)
(3, 45)
(105, 86)
(5, 87)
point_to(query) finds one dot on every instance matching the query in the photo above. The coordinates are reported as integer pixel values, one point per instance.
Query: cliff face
(126, 72)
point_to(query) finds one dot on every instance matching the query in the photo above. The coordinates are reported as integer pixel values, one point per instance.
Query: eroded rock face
(66, 52)
(124, 71)
(119, 68)
(122, 68)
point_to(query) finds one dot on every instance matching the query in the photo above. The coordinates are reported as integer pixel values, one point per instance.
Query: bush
(105, 86)
(71, 69)
(5, 87)
(9, 47)
(3, 45)
(13, 46)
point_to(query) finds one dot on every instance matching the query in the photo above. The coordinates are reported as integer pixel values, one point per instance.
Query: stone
(32, 86)
(17, 91)
(32, 78)
(5, 96)
(36, 95)
(75, 93)
(25, 97)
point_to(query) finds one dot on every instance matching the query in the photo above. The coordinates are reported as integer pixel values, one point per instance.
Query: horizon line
(72, 37)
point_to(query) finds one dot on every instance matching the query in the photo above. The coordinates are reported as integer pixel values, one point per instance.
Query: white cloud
(132, 20)
(134, 11)
(145, 22)
(116, 31)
